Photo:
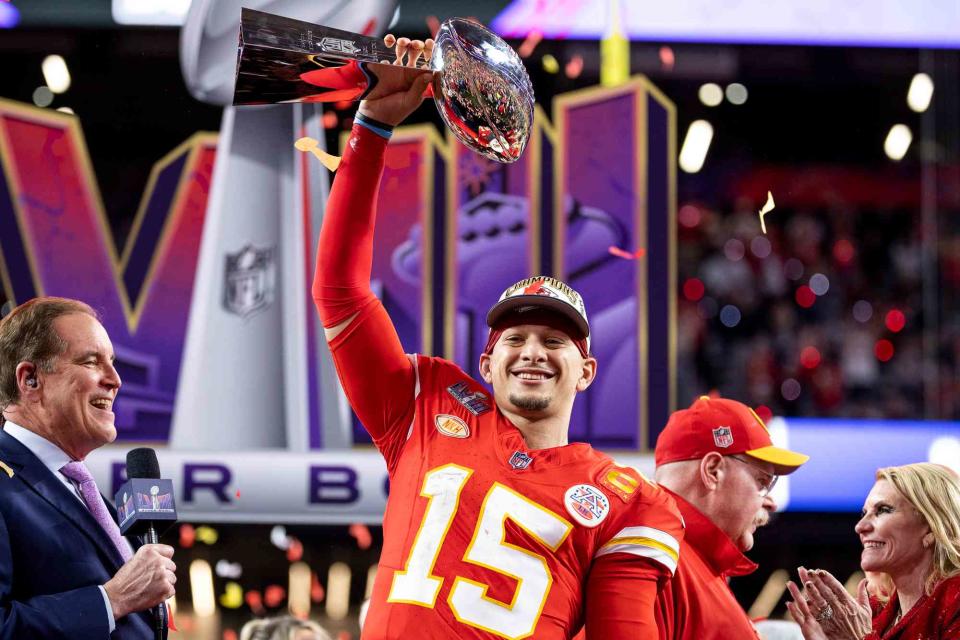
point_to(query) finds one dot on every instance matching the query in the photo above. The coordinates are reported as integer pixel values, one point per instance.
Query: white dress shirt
(53, 458)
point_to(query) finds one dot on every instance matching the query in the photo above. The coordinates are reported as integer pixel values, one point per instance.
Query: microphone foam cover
(142, 463)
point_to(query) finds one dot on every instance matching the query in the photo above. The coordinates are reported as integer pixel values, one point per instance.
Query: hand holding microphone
(145, 507)
(145, 581)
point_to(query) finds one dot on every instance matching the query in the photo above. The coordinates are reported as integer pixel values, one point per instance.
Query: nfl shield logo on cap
(722, 437)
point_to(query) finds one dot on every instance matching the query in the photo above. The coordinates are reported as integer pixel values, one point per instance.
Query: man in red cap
(496, 526)
(718, 461)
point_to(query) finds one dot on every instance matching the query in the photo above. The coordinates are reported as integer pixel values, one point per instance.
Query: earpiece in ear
(31, 382)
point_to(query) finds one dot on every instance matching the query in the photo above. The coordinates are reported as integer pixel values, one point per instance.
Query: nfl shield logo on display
(520, 461)
(249, 280)
(722, 437)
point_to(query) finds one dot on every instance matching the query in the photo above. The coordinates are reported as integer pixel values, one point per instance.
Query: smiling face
(536, 370)
(892, 533)
(77, 396)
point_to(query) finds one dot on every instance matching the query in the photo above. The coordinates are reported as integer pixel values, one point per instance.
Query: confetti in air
(308, 144)
(295, 550)
(767, 208)
(361, 533)
(626, 255)
(6, 469)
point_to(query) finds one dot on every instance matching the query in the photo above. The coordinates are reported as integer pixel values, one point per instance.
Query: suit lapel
(29, 469)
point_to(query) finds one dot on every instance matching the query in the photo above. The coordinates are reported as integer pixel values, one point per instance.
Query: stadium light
(695, 146)
(710, 94)
(736, 93)
(169, 13)
(201, 586)
(55, 73)
(920, 92)
(299, 589)
(338, 591)
(897, 142)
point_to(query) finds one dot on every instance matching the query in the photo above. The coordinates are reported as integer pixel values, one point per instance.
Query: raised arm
(377, 376)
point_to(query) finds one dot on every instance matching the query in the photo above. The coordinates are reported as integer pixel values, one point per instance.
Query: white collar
(52, 456)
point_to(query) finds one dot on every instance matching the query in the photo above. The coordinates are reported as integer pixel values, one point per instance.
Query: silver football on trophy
(482, 90)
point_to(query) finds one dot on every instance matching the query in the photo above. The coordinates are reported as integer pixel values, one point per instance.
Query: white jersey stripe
(646, 552)
(662, 537)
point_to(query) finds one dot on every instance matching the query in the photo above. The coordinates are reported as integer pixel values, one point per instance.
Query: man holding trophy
(496, 526)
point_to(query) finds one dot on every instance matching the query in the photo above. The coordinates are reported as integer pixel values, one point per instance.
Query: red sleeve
(621, 593)
(376, 375)
(638, 553)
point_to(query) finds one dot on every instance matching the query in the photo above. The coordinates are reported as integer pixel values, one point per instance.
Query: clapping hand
(825, 611)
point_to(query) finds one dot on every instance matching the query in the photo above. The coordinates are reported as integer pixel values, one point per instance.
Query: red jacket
(933, 617)
(697, 604)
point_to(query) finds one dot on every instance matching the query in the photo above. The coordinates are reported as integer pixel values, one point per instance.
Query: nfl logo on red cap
(722, 437)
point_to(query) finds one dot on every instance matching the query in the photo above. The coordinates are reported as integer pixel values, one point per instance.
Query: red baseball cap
(725, 426)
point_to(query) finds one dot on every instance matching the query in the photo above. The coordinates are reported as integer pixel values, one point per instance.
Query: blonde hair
(934, 491)
(280, 628)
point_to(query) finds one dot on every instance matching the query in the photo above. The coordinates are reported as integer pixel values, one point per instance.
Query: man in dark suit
(65, 570)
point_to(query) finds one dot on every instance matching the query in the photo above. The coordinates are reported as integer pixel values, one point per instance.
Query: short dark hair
(27, 335)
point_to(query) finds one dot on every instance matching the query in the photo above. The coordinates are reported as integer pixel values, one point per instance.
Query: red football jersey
(484, 538)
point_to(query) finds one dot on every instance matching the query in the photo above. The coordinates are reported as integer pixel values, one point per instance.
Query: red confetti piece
(330, 120)
(574, 67)
(530, 43)
(805, 296)
(370, 28)
(317, 593)
(433, 23)
(895, 320)
(344, 635)
(295, 550)
(188, 535)
(229, 634)
(667, 58)
(810, 357)
(171, 624)
(764, 412)
(693, 289)
(626, 255)
(274, 595)
(883, 350)
(238, 493)
(255, 601)
(361, 533)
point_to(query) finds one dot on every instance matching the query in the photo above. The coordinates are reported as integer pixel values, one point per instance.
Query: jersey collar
(713, 545)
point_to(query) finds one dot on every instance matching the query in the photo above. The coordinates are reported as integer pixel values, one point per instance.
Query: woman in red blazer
(910, 531)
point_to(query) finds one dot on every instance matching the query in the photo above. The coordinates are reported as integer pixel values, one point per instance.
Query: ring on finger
(825, 613)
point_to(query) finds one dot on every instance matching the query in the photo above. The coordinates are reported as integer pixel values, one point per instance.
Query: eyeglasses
(770, 478)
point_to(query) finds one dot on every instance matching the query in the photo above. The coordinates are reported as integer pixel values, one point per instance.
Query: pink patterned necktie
(79, 473)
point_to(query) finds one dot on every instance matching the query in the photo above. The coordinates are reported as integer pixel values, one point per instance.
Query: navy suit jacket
(53, 558)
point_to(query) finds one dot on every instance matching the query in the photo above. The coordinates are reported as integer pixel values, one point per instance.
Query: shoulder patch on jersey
(587, 504)
(476, 402)
(622, 481)
(451, 426)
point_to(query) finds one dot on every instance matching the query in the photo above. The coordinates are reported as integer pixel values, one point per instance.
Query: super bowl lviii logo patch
(451, 426)
(722, 437)
(475, 401)
(587, 504)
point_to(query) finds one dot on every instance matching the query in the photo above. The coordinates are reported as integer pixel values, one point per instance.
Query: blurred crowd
(821, 316)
